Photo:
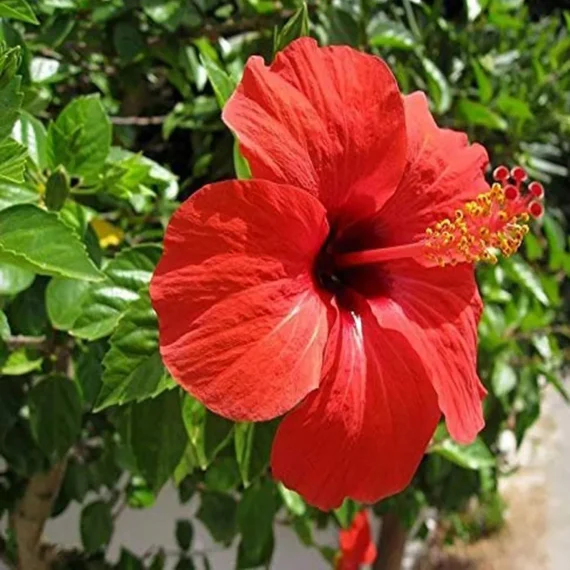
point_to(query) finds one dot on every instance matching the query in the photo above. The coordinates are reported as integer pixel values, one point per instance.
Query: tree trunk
(391, 544)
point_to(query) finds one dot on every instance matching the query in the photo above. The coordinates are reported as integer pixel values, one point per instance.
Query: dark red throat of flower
(494, 223)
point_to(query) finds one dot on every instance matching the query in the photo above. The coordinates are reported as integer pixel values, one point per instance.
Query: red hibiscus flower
(337, 285)
(356, 546)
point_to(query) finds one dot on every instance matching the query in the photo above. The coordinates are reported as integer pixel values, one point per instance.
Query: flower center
(495, 222)
(326, 271)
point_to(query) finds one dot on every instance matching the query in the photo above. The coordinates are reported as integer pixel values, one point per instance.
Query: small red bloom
(356, 545)
(337, 285)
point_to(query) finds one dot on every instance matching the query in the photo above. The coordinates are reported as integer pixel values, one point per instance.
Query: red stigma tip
(536, 189)
(518, 173)
(511, 193)
(501, 173)
(535, 209)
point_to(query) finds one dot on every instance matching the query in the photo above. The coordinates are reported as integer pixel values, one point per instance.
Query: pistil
(369, 256)
(495, 222)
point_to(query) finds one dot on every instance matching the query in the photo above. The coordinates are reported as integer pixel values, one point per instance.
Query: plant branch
(21, 341)
(139, 121)
(31, 513)
(391, 543)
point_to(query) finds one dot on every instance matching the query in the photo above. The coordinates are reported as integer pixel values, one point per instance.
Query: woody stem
(391, 543)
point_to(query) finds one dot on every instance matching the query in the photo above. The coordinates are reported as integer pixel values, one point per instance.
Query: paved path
(558, 488)
(537, 532)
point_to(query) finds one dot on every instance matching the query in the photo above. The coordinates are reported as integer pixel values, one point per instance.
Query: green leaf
(32, 134)
(503, 378)
(185, 563)
(184, 534)
(158, 437)
(89, 371)
(125, 174)
(475, 456)
(342, 27)
(558, 383)
(478, 114)
(57, 189)
(296, 27)
(44, 69)
(139, 495)
(129, 174)
(533, 247)
(221, 81)
(10, 95)
(218, 514)
(20, 362)
(125, 276)
(96, 526)
(80, 138)
(255, 523)
(55, 415)
(383, 32)
(438, 86)
(556, 238)
(128, 41)
(293, 501)
(13, 279)
(129, 561)
(172, 13)
(161, 11)
(12, 194)
(158, 561)
(513, 107)
(208, 432)
(346, 512)
(483, 82)
(252, 444)
(304, 530)
(186, 466)
(27, 312)
(10, 403)
(474, 9)
(38, 241)
(17, 10)
(241, 166)
(64, 301)
(4, 326)
(13, 157)
(133, 369)
(524, 275)
(222, 475)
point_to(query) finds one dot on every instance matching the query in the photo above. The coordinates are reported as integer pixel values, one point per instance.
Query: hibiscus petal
(442, 172)
(356, 544)
(363, 433)
(438, 310)
(328, 120)
(242, 327)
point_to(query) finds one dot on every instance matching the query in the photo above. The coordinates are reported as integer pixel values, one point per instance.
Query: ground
(537, 531)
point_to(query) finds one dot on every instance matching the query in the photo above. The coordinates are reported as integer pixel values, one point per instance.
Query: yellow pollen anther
(494, 222)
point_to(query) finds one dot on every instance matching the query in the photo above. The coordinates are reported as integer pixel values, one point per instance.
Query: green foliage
(109, 116)
(55, 415)
(18, 10)
(106, 302)
(157, 437)
(133, 370)
(80, 138)
(296, 27)
(96, 526)
(38, 241)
